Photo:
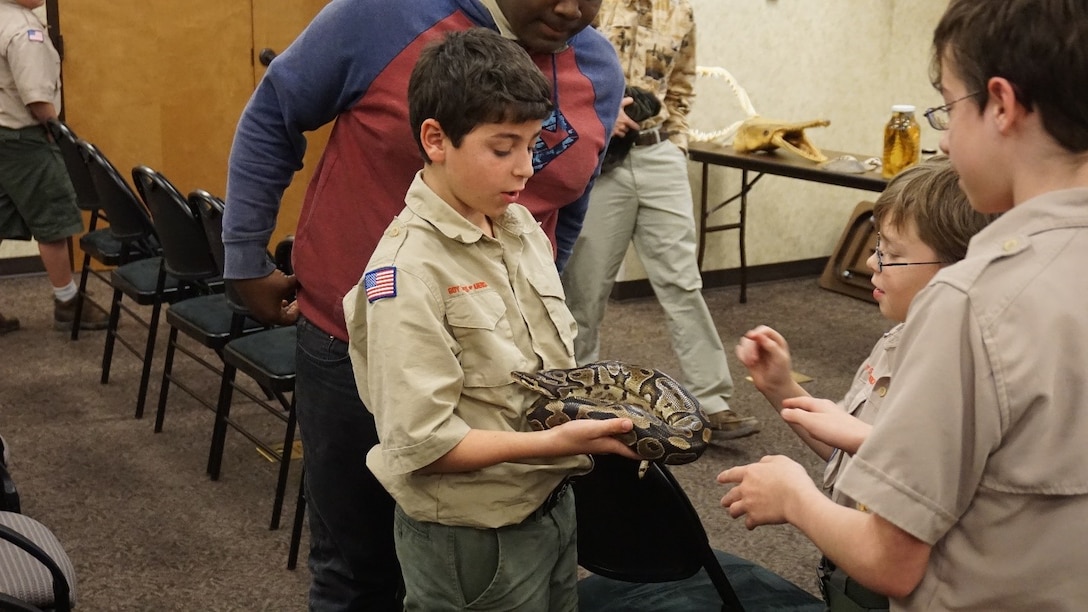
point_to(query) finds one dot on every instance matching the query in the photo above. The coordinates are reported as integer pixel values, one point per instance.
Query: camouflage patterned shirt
(655, 40)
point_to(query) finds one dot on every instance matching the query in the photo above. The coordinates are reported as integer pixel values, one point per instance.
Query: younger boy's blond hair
(928, 194)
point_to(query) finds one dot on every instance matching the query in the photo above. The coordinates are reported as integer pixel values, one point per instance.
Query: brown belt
(646, 138)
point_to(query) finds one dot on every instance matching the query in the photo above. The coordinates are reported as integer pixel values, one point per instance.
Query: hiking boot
(728, 425)
(8, 325)
(91, 318)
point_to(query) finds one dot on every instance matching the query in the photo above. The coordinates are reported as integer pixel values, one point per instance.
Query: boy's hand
(767, 491)
(592, 437)
(767, 356)
(825, 421)
(624, 123)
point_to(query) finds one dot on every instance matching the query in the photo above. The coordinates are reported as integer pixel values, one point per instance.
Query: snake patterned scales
(669, 425)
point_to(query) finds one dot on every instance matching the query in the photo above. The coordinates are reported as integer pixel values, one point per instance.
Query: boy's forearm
(482, 448)
(775, 395)
(867, 547)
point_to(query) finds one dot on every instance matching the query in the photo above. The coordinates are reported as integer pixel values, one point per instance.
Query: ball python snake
(669, 425)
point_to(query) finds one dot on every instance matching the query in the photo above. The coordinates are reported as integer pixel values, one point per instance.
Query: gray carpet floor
(148, 530)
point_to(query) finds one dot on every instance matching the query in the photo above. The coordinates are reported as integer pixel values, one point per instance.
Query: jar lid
(903, 108)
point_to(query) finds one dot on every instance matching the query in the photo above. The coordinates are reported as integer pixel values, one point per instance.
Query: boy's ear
(433, 140)
(1007, 109)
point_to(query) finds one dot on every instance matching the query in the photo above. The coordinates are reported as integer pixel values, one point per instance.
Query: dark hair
(472, 77)
(1039, 46)
(929, 195)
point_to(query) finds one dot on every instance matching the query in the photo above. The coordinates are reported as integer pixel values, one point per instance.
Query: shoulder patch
(380, 283)
(37, 36)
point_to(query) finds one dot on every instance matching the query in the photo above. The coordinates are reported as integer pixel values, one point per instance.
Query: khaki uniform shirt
(435, 360)
(29, 66)
(863, 401)
(655, 40)
(981, 448)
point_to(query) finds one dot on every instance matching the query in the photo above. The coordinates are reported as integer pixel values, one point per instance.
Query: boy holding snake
(461, 291)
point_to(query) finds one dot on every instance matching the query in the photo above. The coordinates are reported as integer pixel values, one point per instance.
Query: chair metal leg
(222, 413)
(149, 356)
(81, 295)
(296, 527)
(164, 387)
(111, 336)
(285, 467)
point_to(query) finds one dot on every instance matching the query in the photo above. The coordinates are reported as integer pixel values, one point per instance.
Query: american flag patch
(35, 35)
(380, 283)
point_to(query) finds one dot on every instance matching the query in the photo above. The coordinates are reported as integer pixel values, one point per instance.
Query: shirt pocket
(550, 291)
(488, 353)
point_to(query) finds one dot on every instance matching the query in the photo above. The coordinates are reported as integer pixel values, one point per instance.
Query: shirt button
(1009, 245)
(394, 231)
(882, 391)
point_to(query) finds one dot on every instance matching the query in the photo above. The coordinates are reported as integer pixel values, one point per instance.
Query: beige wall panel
(159, 83)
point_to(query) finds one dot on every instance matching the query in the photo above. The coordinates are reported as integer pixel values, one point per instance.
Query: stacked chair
(144, 281)
(98, 244)
(268, 357)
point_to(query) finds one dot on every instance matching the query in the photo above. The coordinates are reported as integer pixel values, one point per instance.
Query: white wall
(846, 61)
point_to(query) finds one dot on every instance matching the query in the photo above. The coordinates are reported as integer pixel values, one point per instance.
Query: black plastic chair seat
(207, 319)
(267, 357)
(103, 247)
(139, 281)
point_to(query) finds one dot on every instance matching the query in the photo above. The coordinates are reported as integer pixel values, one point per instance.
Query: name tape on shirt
(380, 283)
(37, 36)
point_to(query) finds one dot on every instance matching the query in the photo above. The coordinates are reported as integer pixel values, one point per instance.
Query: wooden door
(276, 23)
(163, 83)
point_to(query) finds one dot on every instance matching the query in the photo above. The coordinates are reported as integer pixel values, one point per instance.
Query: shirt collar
(424, 202)
(492, 7)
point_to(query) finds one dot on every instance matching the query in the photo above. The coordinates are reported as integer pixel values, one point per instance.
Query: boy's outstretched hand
(766, 354)
(592, 437)
(825, 421)
(767, 492)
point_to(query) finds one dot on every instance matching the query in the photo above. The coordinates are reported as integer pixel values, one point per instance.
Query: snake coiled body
(669, 425)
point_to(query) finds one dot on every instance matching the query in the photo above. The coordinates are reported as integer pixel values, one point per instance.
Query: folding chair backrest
(129, 220)
(185, 250)
(86, 196)
(642, 530)
(210, 208)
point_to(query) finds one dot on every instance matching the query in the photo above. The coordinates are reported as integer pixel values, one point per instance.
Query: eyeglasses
(880, 265)
(938, 115)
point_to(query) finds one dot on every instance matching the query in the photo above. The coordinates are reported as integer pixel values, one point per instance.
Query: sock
(67, 292)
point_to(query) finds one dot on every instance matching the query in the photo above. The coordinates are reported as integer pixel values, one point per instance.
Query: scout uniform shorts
(36, 195)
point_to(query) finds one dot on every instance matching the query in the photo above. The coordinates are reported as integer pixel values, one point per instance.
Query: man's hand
(766, 491)
(624, 123)
(267, 297)
(825, 421)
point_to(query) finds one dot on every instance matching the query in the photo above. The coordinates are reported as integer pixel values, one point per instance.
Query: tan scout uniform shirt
(29, 66)
(981, 448)
(655, 40)
(863, 401)
(435, 361)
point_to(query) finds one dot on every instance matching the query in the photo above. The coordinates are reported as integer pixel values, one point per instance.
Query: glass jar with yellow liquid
(902, 141)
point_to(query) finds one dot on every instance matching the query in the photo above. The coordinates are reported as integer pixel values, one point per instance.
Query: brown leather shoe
(65, 312)
(728, 425)
(8, 325)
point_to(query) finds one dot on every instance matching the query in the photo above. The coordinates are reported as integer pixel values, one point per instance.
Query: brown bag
(759, 134)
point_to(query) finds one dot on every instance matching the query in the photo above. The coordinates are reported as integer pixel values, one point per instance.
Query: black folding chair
(268, 357)
(643, 530)
(98, 244)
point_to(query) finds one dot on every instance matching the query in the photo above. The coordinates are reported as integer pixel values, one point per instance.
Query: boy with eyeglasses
(924, 223)
(974, 474)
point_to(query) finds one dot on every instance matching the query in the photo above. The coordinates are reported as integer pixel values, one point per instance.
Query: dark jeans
(353, 561)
